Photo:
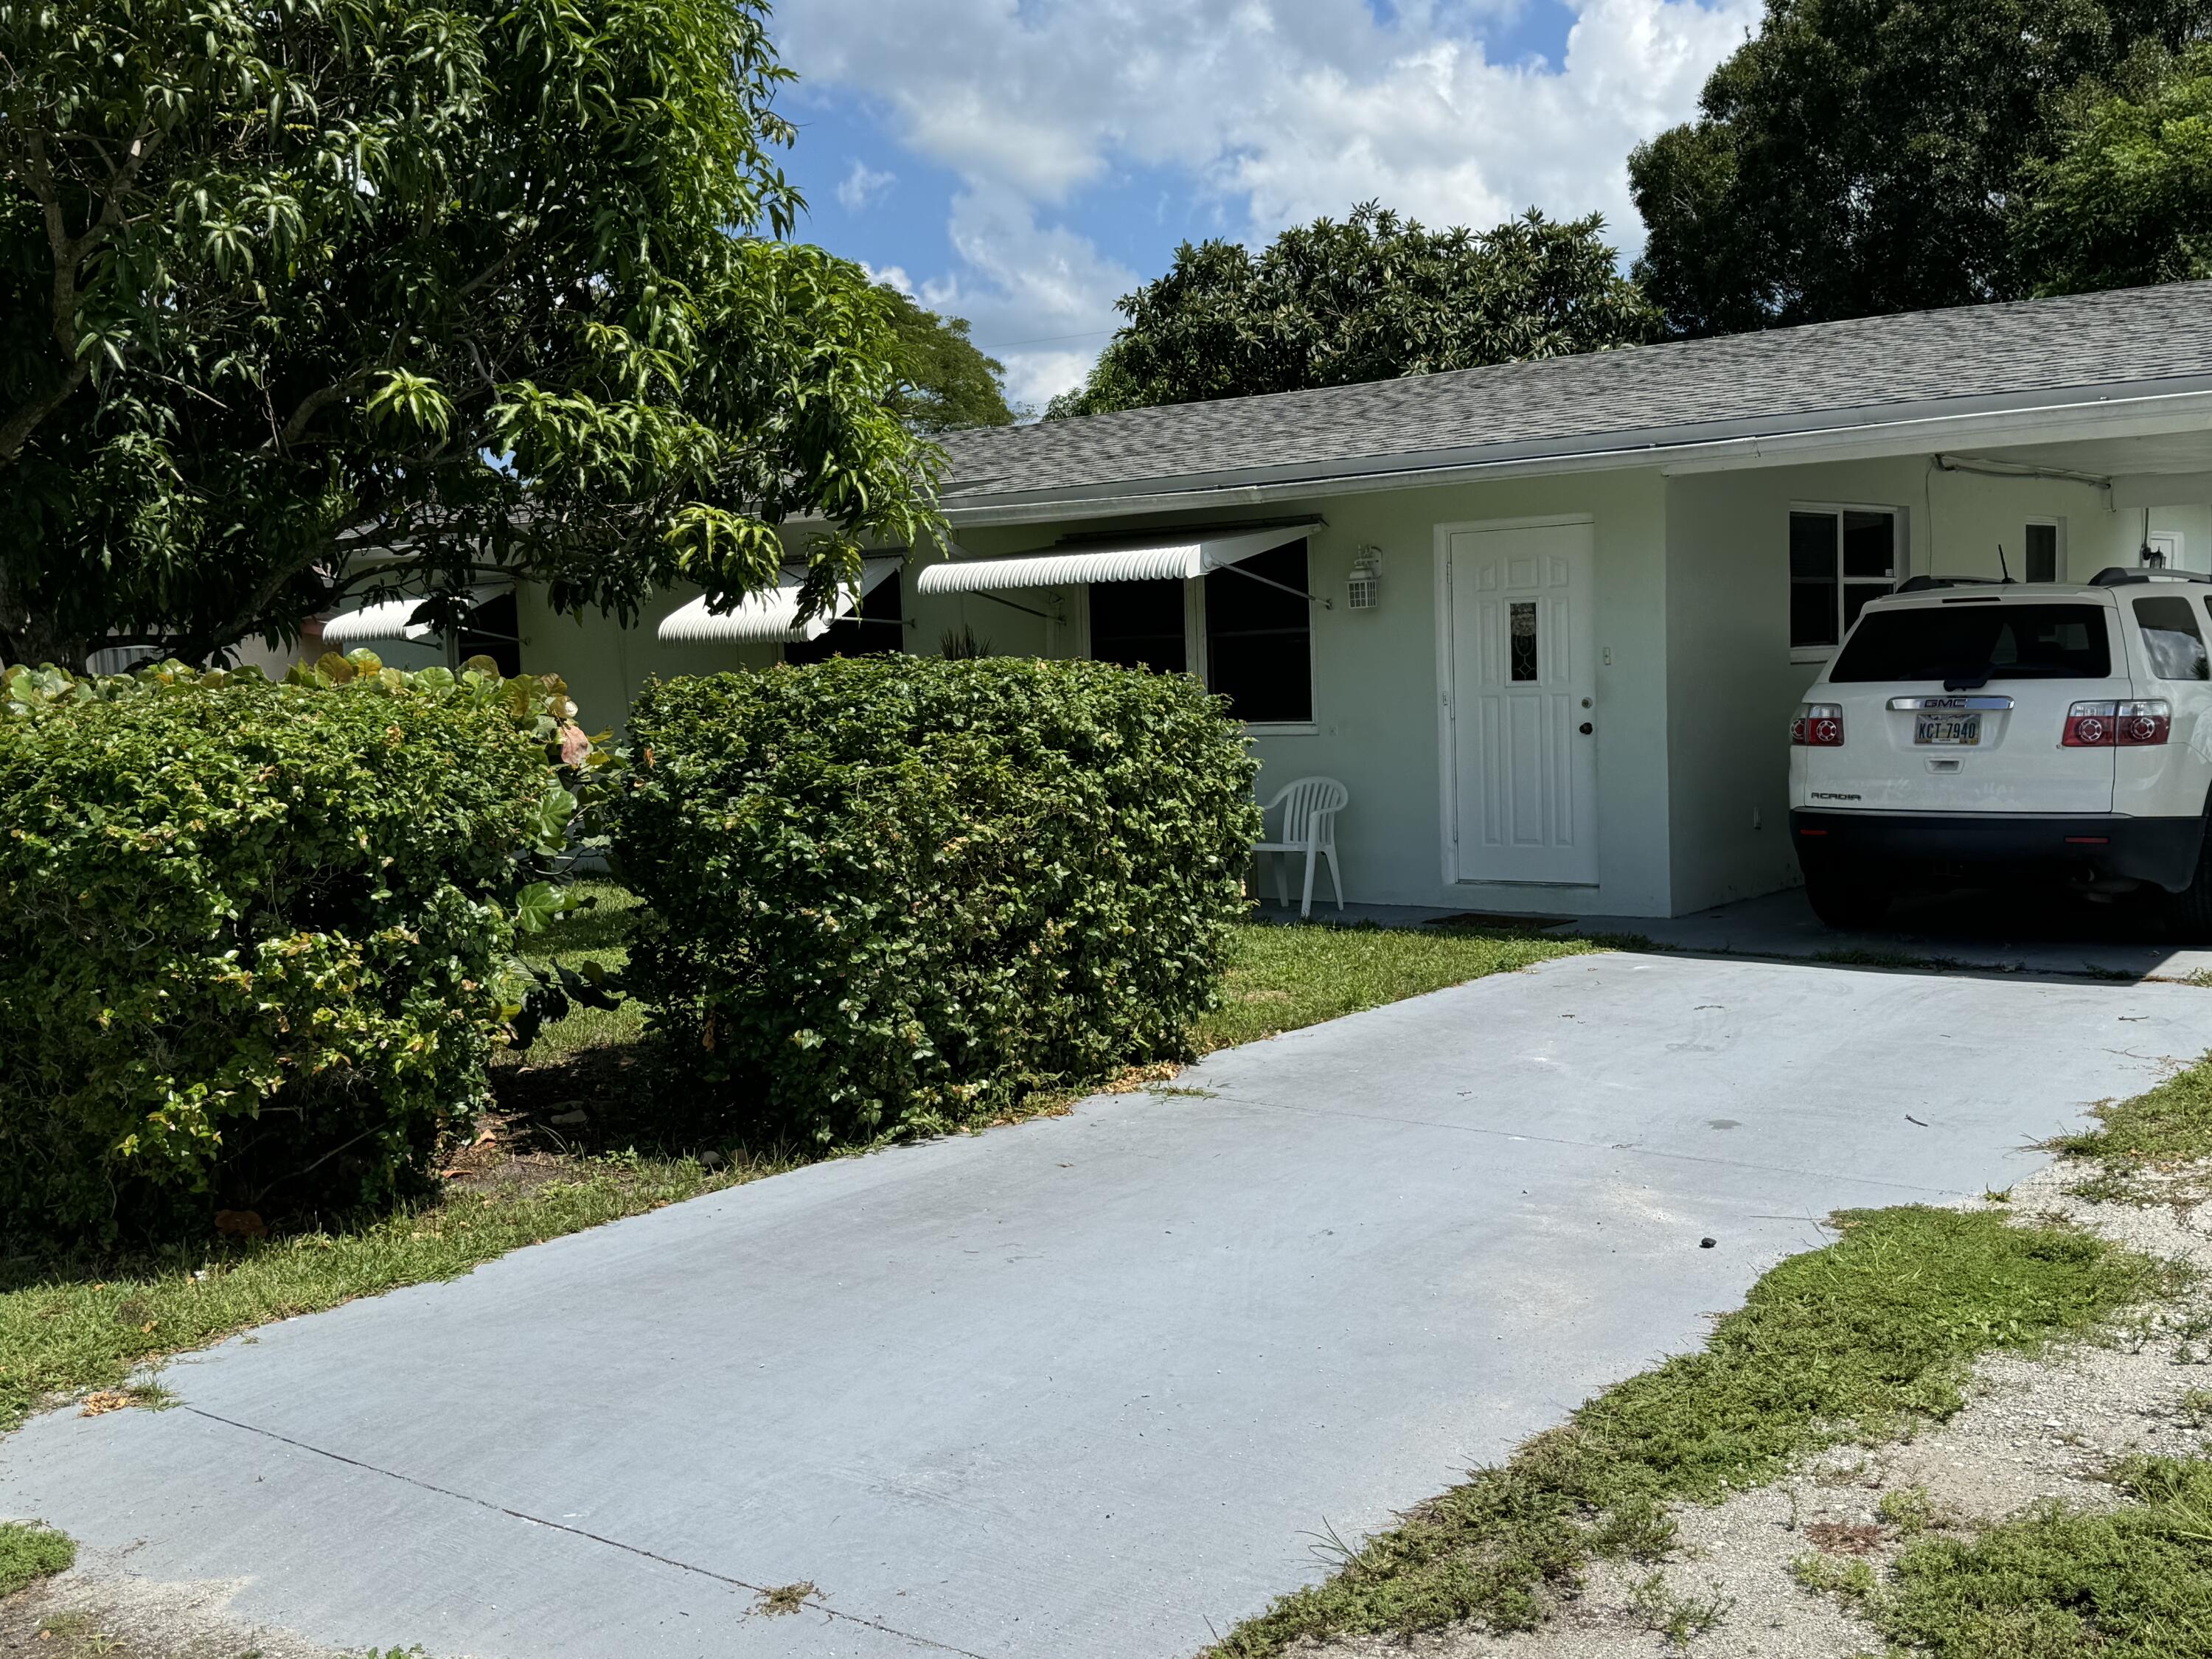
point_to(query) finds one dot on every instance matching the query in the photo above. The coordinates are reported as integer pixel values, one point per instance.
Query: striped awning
(391, 619)
(768, 617)
(1156, 558)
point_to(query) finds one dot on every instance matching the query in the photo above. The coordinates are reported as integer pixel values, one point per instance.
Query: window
(877, 627)
(1139, 625)
(2041, 541)
(1247, 630)
(2172, 639)
(1259, 649)
(1839, 558)
(1974, 641)
(491, 631)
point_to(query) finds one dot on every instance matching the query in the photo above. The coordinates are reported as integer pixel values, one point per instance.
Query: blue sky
(1023, 162)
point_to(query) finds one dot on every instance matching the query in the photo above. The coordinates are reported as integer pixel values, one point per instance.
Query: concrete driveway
(1085, 1387)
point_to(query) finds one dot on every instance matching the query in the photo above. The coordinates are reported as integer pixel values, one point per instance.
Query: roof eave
(2115, 410)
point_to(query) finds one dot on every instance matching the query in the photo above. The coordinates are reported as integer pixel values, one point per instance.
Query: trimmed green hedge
(253, 948)
(891, 894)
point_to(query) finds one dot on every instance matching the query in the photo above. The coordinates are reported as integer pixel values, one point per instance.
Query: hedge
(253, 947)
(890, 894)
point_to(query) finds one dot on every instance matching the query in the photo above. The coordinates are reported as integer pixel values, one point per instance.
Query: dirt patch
(99, 1609)
(1772, 1574)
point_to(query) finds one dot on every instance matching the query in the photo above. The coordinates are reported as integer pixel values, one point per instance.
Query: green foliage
(945, 382)
(2155, 1131)
(2135, 1583)
(1858, 158)
(2127, 199)
(1866, 1337)
(299, 300)
(253, 948)
(1369, 299)
(29, 1552)
(893, 893)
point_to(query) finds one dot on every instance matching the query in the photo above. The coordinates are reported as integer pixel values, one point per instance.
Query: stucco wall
(1376, 702)
(607, 665)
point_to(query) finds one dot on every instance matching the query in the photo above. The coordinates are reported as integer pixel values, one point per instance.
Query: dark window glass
(1521, 640)
(877, 627)
(2171, 637)
(1838, 561)
(1812, 613)
(491, 630)
(1258, 650)
(1813, 546)
(1813, 609)
(1870, 545)
(1976, 640)
(2042, 553)
(1139, 625)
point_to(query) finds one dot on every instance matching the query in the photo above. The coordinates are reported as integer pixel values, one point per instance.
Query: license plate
(1947, 728)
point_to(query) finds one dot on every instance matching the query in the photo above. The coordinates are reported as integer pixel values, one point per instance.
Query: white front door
(1522, 705)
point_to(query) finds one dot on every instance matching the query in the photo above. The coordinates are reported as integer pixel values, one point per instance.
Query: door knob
(1586, 728)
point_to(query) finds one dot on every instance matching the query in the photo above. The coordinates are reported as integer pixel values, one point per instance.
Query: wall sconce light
(1363, 589)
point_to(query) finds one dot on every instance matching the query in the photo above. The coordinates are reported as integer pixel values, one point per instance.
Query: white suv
(1978, 732)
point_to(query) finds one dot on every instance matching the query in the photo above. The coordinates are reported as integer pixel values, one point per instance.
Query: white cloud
(864, 186)
(1275, 111)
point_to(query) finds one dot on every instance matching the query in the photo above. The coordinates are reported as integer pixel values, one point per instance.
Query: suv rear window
(1979, 641)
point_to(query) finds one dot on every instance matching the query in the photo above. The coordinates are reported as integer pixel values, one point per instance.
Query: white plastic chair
(1309, 807)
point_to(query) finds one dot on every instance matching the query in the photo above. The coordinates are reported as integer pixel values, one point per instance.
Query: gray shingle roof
(1777, 381)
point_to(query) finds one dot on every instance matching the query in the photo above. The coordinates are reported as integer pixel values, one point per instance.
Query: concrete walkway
(1087, 1386)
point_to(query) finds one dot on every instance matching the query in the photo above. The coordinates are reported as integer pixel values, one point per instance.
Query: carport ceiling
(2164, 451)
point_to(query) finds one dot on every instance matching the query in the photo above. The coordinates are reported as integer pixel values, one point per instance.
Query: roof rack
(1928, 584)
(2119, 575)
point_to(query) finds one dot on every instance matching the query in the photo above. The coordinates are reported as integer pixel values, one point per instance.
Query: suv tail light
(2105, 725)
(1818, 726)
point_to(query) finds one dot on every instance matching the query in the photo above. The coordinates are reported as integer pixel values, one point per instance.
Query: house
(1547, 621)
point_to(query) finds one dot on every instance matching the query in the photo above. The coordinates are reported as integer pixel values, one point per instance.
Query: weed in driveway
(1863, 1339)
(2141, 1139)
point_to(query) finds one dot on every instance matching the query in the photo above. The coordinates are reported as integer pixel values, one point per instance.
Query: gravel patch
(2033, 1429)
(99, 1607)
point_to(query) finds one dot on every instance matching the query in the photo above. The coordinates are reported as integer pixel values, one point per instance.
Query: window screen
(1259, 651)
(2042, 544)
(878, 627)
(1974, 642)
(2172, 638)
(1839, 560)
(1139, 625)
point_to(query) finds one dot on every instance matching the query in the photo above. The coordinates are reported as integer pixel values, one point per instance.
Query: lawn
(579, 1137)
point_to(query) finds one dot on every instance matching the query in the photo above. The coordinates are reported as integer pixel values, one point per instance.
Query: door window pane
(2042, 542)
(1259, 651)
(1521, 640)
(1139, 625)
(2172, 638)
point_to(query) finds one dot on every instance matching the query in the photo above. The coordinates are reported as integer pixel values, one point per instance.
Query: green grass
(599, 934)
(1283, 977)
(2151, 1133)
(70, 1326)
(1862, 1339)
(29, 1552)
(2135, 1583)
(68, 1330)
